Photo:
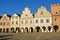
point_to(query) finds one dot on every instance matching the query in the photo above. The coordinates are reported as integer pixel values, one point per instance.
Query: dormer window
(41, 12)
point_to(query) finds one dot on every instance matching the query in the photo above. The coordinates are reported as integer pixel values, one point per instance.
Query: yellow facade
(40, 9)
(43, 15)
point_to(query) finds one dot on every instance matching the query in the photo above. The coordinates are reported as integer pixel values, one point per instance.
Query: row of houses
(41, 21)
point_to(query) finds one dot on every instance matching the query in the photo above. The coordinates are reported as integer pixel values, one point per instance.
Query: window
(12, 22)
(26, 15)
(21, 22)
(36, 21)
(56, 12)
(41, 20)
(26, 22)
(16, 17)
(4, 17)
(0, 23)
(30, 21)
(13, 17)
(56, 19)
(3, 23)
(16, 22)
(47, 20)
(41, 12)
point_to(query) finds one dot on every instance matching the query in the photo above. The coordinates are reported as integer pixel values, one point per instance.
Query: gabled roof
(8, 15)
(16, 14)
(0, 17)
(33, 15)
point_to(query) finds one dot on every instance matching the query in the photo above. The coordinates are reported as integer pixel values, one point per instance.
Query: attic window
(26, 15)
(16, 17)
(4, 17)
(56, 12)
(41, 12)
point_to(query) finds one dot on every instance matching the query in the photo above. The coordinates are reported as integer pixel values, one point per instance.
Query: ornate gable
(42, 12)
(26, 13)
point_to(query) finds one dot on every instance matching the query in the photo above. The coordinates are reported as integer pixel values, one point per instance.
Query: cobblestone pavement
(30, 36)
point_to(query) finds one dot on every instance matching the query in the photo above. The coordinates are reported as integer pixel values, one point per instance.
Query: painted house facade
(26, 21)
(15, 23)
(55, 10)
(5, 23)
(43, 20)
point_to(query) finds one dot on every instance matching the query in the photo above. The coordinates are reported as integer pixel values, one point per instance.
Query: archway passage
(31, 29)
(12, 30)
(55, 28)
(0, 30)
(7, 30)
(17, 29)
(3, 30)
(26, 29)
(37, 28)
(49, 28)
(44, 28)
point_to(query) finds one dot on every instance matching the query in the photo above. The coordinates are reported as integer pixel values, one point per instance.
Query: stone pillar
(47, 29)
(51, 29)
(9, 30)
(2, 30)
(22, 30)
(29, 30)
(35, 30)
(42, 30)
(14, 29)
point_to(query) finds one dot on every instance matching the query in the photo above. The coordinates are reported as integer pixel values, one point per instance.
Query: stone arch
(7, 30)
(49, 28)
(4, 30)
(17, 29)
(12, 29)
(55, 28)
(0, 30)
(38, 29)
(26, 29)
(31, 29)
(44, 28)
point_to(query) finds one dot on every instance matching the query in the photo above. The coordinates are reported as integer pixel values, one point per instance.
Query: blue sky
(11, 6)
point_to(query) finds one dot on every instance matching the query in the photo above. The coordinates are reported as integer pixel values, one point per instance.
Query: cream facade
(26, 21)
(5, 23)
(43, 20)
(15, 23)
